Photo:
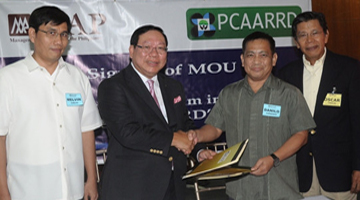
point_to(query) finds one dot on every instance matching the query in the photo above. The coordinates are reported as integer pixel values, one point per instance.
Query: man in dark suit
(329, 163)
(146, 121)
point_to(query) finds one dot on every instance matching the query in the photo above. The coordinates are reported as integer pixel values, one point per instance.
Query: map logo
(18, 24)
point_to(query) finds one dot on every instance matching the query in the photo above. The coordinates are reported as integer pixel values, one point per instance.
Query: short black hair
(48, 14)
(307, 16)
(259, 35)
(143, 29)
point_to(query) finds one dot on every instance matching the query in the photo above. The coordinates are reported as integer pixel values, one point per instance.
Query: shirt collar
(318, 64)
(269, 83)
(144, 78)
(32, 65)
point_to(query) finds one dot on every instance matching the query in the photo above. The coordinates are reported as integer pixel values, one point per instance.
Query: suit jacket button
(161, 152)
(170, 158)
(151, 150)
(312, 132)
(310, 154)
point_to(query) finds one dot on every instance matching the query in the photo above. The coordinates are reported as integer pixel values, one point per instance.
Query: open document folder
(219, 166)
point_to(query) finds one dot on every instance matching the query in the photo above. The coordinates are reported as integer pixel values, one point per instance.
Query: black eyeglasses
(53, 34)
(148, 49)
(314, 34)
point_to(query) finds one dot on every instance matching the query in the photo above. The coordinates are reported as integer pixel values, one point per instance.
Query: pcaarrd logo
(203, 25)
(18, 24)
(238, 22)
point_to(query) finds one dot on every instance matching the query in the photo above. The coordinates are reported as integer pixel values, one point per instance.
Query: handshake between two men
(186, 141)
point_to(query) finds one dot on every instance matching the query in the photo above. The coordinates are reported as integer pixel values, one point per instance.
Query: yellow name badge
(332, 99)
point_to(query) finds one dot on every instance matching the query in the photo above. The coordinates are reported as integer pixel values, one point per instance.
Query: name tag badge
(332, 99)
(74, 99)
(270, 110)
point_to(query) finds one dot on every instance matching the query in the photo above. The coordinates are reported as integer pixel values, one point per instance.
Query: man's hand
(355, 186)
(90, 191)
(206, 155)
(182, 142)
(193, 136)
(262, 166)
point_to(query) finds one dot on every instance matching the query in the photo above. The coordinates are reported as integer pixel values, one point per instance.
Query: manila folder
(221, 160)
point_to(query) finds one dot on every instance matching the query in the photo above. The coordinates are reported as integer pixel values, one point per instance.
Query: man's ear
(274, 59)
(131, 51)
(242, 60)
(297, 43)
(32, 34)
(327, 36)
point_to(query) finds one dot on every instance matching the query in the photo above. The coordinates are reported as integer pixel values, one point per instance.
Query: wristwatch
(276, 160)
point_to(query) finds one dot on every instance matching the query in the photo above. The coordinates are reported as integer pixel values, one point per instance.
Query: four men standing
(146, 115)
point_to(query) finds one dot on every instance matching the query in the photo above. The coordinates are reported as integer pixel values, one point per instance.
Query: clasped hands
(186, 141)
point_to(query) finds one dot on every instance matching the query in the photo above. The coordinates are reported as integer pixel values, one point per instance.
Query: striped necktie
(152, 91)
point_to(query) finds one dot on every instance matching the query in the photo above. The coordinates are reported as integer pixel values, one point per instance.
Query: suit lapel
(298, 78)
(138, 85)
(168, 101)
(330, 71)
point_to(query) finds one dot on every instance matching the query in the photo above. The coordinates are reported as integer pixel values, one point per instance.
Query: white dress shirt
(311, 81)
(43, 129)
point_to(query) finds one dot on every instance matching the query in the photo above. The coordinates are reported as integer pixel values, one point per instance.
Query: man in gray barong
(269, 112)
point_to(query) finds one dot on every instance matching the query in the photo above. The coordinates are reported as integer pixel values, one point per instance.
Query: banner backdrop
(205, 38)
